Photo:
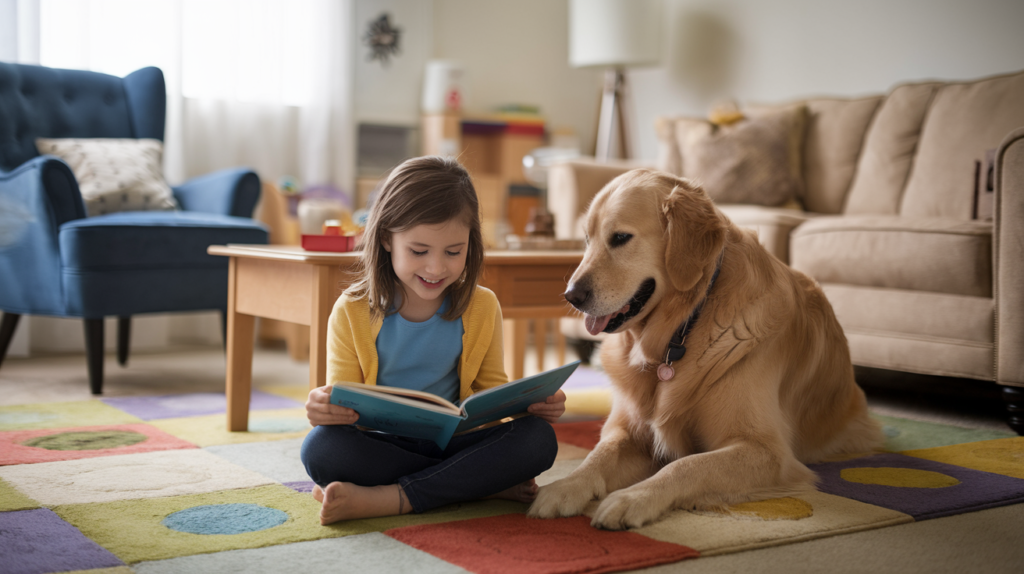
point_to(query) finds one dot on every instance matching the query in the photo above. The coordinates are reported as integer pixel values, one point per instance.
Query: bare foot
(347, 501)
(522, 492)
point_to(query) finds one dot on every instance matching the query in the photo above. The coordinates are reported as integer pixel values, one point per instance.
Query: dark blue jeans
(473, 466)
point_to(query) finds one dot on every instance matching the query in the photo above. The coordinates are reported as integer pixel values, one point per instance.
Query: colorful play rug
(157, 485)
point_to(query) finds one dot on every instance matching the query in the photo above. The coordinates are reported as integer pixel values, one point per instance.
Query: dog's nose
(577, 295)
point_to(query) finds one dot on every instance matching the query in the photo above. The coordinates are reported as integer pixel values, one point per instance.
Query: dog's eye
(619, 239)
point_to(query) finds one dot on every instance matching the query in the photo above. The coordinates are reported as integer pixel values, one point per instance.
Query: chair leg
(224, 328)
(94, 353)
(7, 327)
(124, 332)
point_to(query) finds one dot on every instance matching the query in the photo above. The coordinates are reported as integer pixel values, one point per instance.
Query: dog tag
(665, 372)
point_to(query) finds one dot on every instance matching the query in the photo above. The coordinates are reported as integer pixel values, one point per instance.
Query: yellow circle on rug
(774, 509)
(1005, 453)
(905, 477)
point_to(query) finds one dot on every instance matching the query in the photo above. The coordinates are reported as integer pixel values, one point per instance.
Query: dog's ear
(694, 232)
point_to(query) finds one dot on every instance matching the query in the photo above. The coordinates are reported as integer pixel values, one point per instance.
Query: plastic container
(339, 243)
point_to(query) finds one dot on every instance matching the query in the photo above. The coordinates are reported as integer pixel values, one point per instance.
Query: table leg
(323, 301)
(559, 342)
(238, 382)
(540, 341)
(515, 331)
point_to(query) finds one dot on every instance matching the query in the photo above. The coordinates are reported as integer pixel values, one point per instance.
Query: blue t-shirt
(421, 356)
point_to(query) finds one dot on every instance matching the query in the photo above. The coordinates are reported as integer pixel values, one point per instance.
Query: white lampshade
(614, 32)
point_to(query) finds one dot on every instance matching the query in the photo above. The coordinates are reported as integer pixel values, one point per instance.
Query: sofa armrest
(571, 187)
(1008, 254)
(225, 192)
(36, 198)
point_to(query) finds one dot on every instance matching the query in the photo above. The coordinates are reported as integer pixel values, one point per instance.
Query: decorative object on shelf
(442, 87)
(383, 39)
(535, 168)
(289, 188)
(614, 34)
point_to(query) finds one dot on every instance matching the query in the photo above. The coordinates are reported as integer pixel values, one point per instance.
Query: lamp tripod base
(612, 123)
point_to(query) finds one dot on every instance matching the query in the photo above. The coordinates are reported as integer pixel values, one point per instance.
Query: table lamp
(613, 34)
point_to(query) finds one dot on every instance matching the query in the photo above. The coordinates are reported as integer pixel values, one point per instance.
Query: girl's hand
(550, 409)
(320, 411)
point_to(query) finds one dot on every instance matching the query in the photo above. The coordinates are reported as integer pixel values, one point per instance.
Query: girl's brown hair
(427, 190)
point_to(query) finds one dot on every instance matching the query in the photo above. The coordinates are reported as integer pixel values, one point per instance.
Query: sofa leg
(94, 353)
(7, 328)
(124, 333)
(1014, 399)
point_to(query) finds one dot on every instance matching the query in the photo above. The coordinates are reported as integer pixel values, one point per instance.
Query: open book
(418, 414)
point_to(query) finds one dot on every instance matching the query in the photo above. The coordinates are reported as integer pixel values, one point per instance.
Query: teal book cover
(422, 415)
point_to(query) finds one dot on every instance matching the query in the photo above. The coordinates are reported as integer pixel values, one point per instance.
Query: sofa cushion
(889, 150)
(773, 225)
(115, 174)
(148, 261)
(152, 240)
(668, 159)
(755, 160)
(939, 255)
(916, 331)
(832, 143)
(963, 121)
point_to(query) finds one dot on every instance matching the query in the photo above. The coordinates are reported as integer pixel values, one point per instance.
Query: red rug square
(513, 544)
(584, 434)
(73, 443)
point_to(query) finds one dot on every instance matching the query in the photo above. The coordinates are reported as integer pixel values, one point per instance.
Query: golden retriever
(765, 384)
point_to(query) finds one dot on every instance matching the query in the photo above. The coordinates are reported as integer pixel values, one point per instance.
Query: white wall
(518, 52)
(759, 51)
(390, 94)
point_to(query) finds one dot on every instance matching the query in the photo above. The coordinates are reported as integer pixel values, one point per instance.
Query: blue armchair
(56, 261)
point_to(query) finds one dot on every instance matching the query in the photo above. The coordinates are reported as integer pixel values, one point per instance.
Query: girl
(417, 319)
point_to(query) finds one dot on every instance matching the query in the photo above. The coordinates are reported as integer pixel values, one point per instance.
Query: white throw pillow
(115, 174)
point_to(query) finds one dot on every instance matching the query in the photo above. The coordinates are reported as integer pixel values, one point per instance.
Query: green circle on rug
(235, 518)
(86, 440)
(905, 477)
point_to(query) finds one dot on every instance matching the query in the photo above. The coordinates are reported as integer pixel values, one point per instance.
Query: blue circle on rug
(225, 519)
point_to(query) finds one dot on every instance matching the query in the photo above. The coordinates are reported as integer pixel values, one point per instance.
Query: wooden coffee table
(291, 284)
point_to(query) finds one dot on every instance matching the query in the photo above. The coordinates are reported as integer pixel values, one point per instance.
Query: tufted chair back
(43, 102)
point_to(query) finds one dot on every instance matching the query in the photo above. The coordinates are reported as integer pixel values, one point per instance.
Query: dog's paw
(628, 508)
(561, 498)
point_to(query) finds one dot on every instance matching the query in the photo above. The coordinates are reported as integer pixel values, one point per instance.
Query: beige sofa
(886, 224)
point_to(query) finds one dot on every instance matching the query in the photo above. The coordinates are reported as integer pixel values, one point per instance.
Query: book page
(513, 397)
(420, 398)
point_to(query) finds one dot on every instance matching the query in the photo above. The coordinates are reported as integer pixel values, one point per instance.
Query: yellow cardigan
(352, 349)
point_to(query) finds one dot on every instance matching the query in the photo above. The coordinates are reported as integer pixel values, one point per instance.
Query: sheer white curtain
(258, 83)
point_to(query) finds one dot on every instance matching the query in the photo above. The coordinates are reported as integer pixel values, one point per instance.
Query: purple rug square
(193, 404)
(301, 485)
(37, 541)
(921, 488)
(587, 379)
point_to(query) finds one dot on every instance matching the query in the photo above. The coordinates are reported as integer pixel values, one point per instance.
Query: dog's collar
(676, 347)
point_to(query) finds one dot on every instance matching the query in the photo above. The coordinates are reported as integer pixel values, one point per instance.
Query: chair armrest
(36, 198)
(226, 192)
(571, 186)
(46, 178)
(1008, 248)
